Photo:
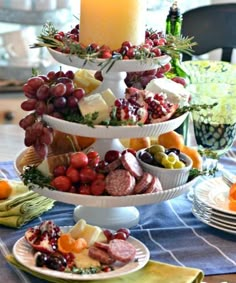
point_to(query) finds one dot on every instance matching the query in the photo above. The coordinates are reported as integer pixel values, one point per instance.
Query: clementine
(171, 140)
(85, 142)
(139, 143)
(232, 191)
(66, 244)
(5, 189)
(194, 155)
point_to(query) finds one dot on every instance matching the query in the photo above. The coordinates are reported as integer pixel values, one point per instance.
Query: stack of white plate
(210, 205)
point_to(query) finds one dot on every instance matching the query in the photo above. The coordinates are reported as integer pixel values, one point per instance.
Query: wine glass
(214, 127)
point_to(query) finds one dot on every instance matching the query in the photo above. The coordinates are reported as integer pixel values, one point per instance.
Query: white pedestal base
(111, 218)
(103, 145)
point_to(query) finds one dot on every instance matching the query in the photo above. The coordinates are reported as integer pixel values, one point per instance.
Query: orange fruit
(85, 142)
(5, 189)
(171, 140)
(232, 204)
(79, 245)
(194, 155)
(232, 192)
(139, 143)
(66, 244)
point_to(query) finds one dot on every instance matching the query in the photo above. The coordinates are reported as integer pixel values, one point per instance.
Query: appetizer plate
(113, 71)
(103, 201)
(24, 254)
(105, 211)
(212, 222)
(214, 194)
(111, 132)
(118, 66)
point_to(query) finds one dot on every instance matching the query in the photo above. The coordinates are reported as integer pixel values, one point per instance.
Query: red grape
(29, 105)
(79, 93)
(58, 89)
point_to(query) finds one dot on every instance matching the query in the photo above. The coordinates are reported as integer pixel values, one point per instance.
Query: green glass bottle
(173, 27)
(174, 20)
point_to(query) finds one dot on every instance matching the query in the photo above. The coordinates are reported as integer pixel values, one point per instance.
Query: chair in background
(212, 27)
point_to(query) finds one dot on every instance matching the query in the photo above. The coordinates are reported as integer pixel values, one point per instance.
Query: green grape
(179, 164)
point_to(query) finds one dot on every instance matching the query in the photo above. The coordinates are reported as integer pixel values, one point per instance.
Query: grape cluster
(54, 94)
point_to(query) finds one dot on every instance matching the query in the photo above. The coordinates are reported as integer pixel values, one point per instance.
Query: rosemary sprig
(193, 107)
(194, 172)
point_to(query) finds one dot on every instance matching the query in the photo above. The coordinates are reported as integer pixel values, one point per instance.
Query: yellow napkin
(22, 205)
(153, 272)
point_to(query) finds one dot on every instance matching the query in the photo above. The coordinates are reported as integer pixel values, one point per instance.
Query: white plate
(212, 223)
(214, 193)
(24, 254)
(221, 215)
(118, 66)
(224, 222)
(150, 130)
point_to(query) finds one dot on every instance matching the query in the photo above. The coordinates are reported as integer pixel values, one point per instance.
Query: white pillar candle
(112, 22)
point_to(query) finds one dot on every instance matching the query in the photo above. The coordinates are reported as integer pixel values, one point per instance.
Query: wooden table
(12, 142)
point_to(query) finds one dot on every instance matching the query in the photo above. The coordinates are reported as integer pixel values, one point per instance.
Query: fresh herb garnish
(32, 175)
(192, 107)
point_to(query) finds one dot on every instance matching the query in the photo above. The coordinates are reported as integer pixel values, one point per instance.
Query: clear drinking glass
(214, 129)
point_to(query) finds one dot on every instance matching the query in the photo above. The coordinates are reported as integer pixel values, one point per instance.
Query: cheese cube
(109, 97)
(94, 103)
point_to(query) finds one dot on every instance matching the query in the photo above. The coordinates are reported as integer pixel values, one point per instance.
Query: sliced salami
(143, 184)
(154, 187)
(120, 183)
(100, 245)
(114, 165)
(121, 250)
(100, 255)
(130, 163)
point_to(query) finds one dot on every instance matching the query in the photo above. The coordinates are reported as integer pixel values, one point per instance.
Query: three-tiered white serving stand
(108, 211)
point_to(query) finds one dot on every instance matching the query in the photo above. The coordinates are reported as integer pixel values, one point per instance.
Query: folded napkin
(22, 206)
(153, 272)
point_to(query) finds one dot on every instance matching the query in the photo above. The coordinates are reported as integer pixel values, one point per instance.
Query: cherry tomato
(98, 187)
(87, 175)
(84, 189)
(62, 183)
(93, 158)
(73, 174)
(100, 176)
(79, 159)
(59, 171)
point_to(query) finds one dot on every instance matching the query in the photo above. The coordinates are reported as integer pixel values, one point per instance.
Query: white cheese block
(109, 97)
(176, 93)
(95, 103)
(89, 232)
